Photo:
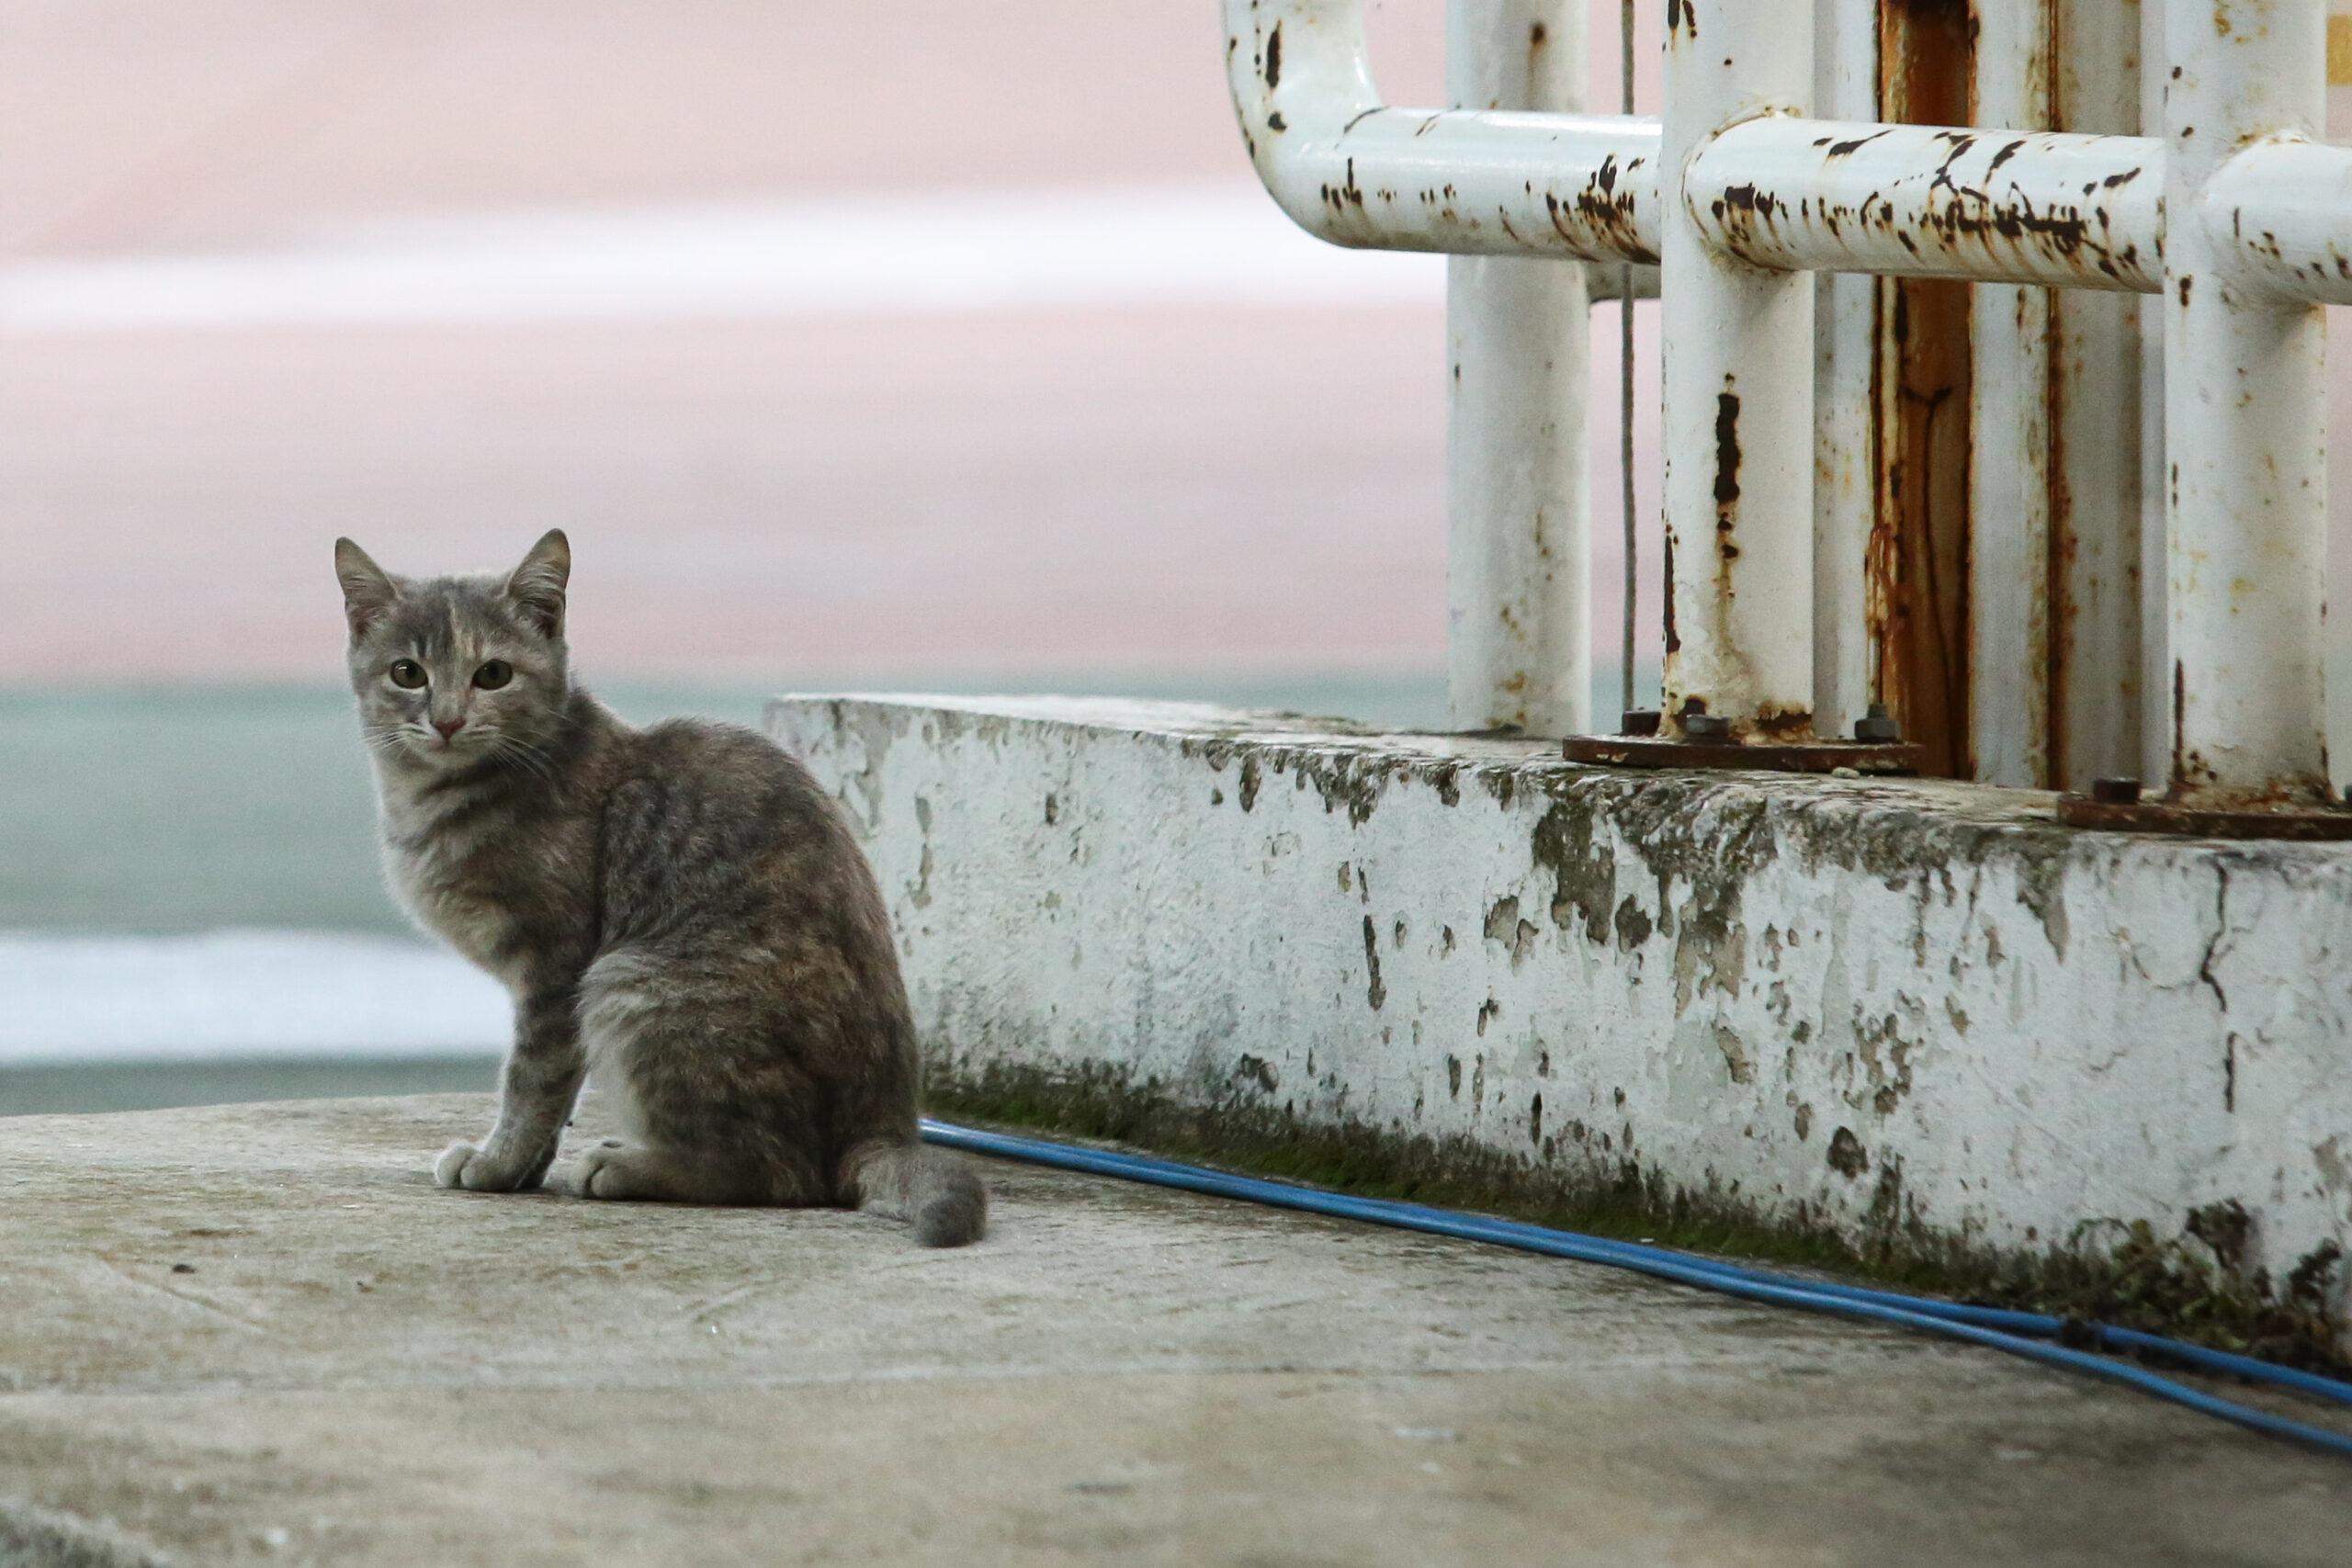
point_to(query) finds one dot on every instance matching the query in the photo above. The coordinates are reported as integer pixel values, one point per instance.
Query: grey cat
(679, 910)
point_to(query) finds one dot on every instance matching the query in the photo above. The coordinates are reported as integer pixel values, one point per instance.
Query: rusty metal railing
(2236, 218)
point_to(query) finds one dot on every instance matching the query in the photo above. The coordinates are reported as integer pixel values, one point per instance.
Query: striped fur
(679, 911)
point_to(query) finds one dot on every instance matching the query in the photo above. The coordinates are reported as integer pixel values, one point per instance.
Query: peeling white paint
(1873, 1005)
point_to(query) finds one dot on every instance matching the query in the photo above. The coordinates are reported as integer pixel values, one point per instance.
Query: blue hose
(2018, 1333)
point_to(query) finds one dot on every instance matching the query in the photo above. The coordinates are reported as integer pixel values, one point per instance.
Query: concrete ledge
(1920, 1019)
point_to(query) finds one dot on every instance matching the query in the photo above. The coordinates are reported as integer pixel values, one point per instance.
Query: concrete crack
(2221, 931)
(185, 1298)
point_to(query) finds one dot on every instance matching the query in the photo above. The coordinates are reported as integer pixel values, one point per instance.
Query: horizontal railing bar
(1929, 201)
(1468, 182)
(1462, 182)
(1778, 191)
(2285, 206)
(1744, 194)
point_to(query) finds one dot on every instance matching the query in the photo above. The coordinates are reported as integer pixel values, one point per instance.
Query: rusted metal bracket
(1883, 759)
(2300, 824)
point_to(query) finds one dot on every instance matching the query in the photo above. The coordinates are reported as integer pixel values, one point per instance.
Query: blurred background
(950, 347)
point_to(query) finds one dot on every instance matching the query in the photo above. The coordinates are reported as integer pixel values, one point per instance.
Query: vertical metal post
(2339, 637)
(1628, 506)
(1918, 573)
(2096, 695)
(1519, 575)
(2008, 500)
(2244, 423)
(1739, 427)
(1845, 451)
(2155, 509)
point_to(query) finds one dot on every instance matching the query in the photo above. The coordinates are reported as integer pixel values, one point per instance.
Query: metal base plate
(2304, 824)
(1813, 757)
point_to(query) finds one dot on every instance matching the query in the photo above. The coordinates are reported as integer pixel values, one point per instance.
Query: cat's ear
(367, 591)
(536, 586)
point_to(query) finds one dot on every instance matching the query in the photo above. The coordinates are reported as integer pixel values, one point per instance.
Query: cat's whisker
(528, 764)
(514, 747)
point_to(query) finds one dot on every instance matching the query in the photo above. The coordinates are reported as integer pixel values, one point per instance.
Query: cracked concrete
(258, 1334)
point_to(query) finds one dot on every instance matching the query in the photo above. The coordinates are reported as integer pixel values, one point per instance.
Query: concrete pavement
(258, 1334)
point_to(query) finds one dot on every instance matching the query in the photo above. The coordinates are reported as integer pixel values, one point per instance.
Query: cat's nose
(449, 727)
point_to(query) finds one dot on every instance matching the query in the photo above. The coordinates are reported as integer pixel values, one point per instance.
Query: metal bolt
(1698, 724)
(1639, 721)
(2116, 791)
(1878, 726)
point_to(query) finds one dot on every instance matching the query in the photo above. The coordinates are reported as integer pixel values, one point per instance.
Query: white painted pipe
(2245, 418)
(2097, 625)
(2282, 211)
(1933, 201)
(2008, 384)
(1751, 192)
(1832, 194)
(1519, 578)
(1465, 182)
(2155, 527)
(1992, 206)
(1846, 390)
(1739, 429)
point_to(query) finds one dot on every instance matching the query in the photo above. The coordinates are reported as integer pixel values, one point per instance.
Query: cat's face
(454, 670)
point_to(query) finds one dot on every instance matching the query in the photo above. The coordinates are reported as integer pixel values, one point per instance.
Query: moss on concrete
(2194, 1287)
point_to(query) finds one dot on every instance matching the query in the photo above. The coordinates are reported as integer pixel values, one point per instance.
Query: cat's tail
(937, 1192)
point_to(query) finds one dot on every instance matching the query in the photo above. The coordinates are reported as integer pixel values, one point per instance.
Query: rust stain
(1848, 148)
(1957, 216)
(1787, 726)
(1746, 215)
(1606, 204)
(2190, 771)
(1341, 196)
(1917, 568)
(1726, 469)
(1673, 642)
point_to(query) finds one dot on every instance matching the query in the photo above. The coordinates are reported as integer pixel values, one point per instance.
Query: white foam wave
(242, 995)
(962, 250)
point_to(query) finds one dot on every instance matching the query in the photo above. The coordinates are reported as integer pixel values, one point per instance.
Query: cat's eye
(406, 673)
(495, 674)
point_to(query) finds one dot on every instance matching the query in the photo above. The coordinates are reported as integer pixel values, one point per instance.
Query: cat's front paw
(465, 1166)
(451, 1168)
(576, 1177)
